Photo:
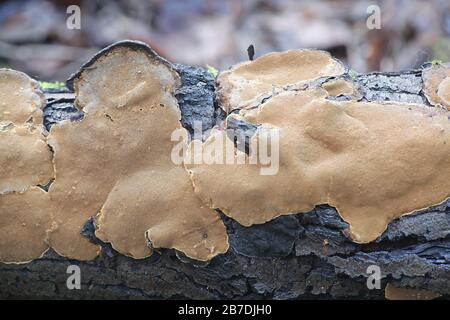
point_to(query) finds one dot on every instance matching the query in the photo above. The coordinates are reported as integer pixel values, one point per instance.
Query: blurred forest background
(34, 37)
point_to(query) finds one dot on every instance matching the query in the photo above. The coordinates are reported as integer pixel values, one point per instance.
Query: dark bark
(292, 257)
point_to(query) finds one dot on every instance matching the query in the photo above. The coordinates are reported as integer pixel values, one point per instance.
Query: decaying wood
(291, 257)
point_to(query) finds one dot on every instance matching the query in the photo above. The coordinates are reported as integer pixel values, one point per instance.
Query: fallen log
(301, 256)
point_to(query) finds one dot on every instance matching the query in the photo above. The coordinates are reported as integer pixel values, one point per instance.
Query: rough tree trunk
(291, 257)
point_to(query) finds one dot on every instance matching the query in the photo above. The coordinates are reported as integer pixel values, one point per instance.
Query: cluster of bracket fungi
(373, 162)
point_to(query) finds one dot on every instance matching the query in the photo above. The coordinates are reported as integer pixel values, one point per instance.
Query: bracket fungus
(25, 158)
(20, 99)
(116, 162)
(436, 80)
(341, 87)
(443, 91)
(25, 163)
(251, 82)
(372, 161)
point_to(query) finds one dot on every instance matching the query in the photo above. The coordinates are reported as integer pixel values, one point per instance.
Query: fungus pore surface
(373, 162)
(444, 92)
(25, 163)
(253, 81)
(20, 99)
(116, 162)
(340, 87)
(436, 80)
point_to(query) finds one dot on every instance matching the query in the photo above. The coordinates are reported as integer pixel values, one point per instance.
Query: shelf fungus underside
(373, 162)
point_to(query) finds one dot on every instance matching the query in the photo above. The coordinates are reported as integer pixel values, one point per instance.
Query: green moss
(353, 74)
(57, 85)
(212, 71)
(436, 62)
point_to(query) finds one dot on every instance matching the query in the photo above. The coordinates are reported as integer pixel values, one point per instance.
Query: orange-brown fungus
(444, 92)
(25, 159)
(393, 293)
(373, 162)
(25, 162)
(436, 80)
(253, 81)
(24, 225)
(340, 87)
(117, 162)
(20, 99)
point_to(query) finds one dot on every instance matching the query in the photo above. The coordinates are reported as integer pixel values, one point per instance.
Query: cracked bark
(292, 257)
